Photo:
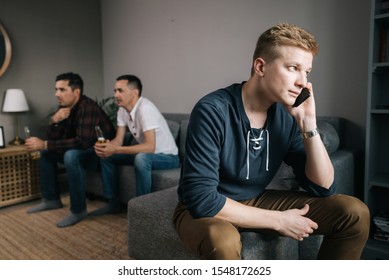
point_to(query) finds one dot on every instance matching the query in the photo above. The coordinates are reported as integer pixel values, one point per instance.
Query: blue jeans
(143, 164)
(76, 162)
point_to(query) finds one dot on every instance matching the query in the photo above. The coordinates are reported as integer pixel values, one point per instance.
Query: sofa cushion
(284, 179)
(329, 136)
(174, 129)
(163, 179)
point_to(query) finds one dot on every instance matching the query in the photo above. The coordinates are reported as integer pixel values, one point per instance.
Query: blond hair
(280, 35)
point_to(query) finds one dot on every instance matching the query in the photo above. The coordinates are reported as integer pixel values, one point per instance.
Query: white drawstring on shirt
(257, 146)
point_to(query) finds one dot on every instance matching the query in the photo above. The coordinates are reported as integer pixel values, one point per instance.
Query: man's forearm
(318, 167)
(244, 216)
(135, 149)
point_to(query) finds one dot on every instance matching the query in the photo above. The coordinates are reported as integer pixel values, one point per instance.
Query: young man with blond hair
(237, 139)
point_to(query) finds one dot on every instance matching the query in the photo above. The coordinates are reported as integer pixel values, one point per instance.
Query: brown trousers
(343, 220)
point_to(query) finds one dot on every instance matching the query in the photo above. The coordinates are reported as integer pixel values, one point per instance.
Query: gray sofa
(150, 230)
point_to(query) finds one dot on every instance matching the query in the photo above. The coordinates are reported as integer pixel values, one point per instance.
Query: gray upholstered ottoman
(151, 234)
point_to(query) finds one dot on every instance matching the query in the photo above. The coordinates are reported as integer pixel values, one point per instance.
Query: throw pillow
(329, 136)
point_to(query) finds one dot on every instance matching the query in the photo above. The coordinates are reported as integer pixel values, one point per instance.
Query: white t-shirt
(146, 116)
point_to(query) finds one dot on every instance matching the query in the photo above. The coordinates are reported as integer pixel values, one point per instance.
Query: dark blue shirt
(225, 157)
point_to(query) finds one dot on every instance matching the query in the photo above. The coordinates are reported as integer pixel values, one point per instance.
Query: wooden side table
(19, 176)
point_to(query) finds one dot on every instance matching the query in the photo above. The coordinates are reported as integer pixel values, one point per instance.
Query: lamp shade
(15, 101)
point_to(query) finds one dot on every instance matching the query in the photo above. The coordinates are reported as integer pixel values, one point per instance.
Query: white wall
(183, 49)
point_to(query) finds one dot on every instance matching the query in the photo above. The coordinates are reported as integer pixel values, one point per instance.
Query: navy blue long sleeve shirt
(225, 157)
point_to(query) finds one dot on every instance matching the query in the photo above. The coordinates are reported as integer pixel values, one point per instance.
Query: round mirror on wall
(5, 50)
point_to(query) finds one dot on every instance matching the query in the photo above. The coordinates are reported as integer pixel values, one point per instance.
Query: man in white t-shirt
(155, 148)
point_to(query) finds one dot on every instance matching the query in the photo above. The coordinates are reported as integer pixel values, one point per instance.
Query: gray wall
(183, 49)
(49, 37)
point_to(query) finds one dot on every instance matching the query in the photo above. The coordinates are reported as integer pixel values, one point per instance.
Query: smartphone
(302, 97)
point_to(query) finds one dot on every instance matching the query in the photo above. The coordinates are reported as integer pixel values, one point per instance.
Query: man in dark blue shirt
(237, 139)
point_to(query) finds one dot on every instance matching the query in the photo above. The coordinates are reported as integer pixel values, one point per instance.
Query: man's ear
(77, 91)
(259, 66)
(136, 91)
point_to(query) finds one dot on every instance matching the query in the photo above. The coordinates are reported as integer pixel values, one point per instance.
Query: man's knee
(223, 243)
(355, 212)
(142, 162)
(76, 156)
(72, 157)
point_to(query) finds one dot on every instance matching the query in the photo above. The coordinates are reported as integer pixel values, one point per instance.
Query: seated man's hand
(295, 225)
(34, 144)
(104, 150)
(60, 115)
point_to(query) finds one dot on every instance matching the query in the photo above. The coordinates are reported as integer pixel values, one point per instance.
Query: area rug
(36, 237)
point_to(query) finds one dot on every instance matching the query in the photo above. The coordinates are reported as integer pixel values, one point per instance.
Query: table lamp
(15, 102)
